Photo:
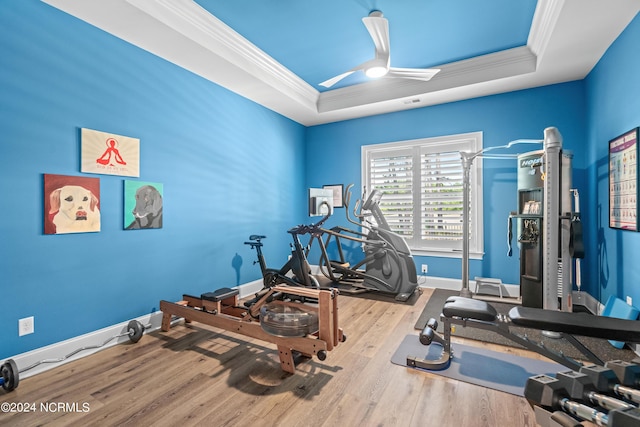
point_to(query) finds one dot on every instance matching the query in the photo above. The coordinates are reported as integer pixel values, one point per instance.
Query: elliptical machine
(388, 263)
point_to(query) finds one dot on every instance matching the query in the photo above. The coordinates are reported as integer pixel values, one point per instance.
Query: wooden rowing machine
(220, 309)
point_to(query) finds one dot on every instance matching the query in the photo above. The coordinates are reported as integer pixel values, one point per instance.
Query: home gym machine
(548, 226)
(300, 320)
(388, 263)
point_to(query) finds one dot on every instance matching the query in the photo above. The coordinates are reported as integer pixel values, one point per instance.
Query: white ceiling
(566, 38)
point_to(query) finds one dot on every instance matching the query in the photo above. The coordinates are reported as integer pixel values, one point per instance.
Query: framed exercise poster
(623, 181)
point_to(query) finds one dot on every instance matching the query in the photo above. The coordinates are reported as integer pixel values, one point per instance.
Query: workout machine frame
(220, 309)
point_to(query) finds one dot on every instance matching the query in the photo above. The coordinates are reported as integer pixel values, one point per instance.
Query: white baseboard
(55, 354)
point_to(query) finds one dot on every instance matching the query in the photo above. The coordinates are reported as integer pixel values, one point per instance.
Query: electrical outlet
(425, 268)
(25, 326)
(629, 301)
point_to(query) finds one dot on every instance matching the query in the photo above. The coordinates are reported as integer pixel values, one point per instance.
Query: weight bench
(221, 310)
(473, 313)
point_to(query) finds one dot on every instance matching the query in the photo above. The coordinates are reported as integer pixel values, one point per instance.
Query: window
(421, 181)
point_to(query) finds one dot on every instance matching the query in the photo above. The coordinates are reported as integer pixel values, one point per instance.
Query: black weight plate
(135, 331)
(9, 371)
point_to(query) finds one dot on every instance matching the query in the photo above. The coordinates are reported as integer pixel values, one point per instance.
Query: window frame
(468, 142)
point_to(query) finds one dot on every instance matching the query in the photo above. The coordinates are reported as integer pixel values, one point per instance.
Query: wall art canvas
(109, 154)
(142, 205)
(71, 204)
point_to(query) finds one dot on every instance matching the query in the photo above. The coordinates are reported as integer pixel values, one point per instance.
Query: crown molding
(544, 21)
(197, 24)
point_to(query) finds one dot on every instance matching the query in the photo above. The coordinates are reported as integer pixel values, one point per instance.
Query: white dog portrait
(74, 209)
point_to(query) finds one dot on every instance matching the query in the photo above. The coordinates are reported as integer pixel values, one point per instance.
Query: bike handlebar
(311, 228)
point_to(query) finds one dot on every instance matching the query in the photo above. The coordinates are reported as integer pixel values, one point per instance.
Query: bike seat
(256, 237)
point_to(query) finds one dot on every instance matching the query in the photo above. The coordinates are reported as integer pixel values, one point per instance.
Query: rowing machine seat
(220, 294)
(468, 308)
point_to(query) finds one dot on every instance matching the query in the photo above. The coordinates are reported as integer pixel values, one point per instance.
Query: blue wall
(613, 89)
(333, 156)
(227, 166)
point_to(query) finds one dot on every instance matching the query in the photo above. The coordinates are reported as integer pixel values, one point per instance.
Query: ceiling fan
(378, 28)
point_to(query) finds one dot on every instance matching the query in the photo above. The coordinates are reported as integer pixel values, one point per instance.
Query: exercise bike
(296, 271)
(297, 265)
(388, 263)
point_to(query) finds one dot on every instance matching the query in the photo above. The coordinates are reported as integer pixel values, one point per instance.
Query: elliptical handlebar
(357, 207)
(373, 199)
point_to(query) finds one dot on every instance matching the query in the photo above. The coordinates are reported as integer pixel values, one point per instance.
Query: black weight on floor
(9, 374)
(135, 330)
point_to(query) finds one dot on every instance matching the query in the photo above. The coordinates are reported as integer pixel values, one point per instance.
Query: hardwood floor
(198, 375)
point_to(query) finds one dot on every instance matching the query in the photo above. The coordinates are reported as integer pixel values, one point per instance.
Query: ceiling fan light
(376, 71)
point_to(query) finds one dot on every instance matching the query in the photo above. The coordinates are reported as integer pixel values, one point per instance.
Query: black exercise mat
(479, 366)
(601, 348)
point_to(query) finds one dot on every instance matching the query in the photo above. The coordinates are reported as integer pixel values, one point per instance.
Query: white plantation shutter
(441, 191)
(392, 174)
(421, 182)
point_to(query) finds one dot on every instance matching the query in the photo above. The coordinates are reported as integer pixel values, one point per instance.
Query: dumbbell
(605, 380)
(548, 392)
(628, 373)
(579, 387)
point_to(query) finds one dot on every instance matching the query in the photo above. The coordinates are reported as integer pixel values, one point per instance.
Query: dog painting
(143, 205)
(72, 204)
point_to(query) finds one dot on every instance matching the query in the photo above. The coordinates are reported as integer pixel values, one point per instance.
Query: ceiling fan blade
(336, 79)
(378, 28)
(424, 74)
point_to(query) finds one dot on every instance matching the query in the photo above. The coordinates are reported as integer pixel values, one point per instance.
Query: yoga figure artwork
(109, 154)
(111, 150)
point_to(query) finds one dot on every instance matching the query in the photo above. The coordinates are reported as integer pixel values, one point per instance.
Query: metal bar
(551, 220)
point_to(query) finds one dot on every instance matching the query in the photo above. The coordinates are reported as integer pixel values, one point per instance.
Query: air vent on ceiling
(411, 101)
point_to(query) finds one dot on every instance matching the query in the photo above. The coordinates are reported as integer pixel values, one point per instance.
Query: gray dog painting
(147, 212)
